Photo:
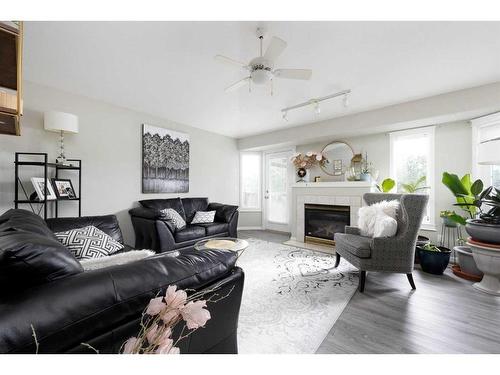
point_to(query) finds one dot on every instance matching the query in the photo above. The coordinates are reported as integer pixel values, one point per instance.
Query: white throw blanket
(116, 259)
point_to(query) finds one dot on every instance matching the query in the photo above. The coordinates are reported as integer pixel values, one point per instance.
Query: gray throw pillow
(174, 217)
(202, 217)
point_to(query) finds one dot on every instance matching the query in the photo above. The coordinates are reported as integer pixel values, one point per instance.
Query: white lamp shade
(60, 121)
(489, 153)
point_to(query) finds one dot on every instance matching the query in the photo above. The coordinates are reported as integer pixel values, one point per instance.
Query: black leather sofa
(43, 285)
(152, 231)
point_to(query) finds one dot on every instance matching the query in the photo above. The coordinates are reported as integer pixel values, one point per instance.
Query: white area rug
(291, 299)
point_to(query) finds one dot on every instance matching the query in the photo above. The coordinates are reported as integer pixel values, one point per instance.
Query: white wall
(109, 144)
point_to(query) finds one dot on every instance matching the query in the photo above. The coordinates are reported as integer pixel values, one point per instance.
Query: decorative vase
(447, 222)
(484, 232)
(365, 177)
(434, 262)
(303, 175)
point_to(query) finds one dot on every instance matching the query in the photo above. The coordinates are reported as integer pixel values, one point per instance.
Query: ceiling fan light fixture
(261, 76)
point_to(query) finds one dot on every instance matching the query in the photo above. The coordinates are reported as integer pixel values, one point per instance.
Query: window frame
(259, 183)
(431, 167)
(485, 123)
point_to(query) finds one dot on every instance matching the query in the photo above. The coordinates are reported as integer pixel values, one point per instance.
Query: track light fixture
(315, 103)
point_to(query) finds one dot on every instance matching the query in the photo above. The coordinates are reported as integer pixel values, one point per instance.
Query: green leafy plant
(413, 187)
(431, 247)
(466, 193)
(472, 198)
(386, 186)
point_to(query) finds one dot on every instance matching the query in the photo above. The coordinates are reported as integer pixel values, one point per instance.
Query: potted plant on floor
(433, 259)
(482, 206)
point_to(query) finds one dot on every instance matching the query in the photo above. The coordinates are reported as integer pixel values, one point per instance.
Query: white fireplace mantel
(333, 184)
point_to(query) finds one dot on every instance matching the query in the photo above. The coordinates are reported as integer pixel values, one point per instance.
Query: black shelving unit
(76, 165)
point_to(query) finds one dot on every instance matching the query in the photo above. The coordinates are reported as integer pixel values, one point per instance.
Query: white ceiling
(167, 68)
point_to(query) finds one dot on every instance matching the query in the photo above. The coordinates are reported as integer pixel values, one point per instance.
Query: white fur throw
(379, 219)
(116, 259)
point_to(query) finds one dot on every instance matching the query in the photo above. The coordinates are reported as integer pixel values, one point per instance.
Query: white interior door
(277, 191)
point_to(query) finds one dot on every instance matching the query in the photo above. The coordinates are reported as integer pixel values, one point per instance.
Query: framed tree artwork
(165, 160)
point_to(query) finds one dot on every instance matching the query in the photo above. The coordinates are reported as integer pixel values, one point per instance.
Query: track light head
(285, 116)
(317, 108)
(346, 100)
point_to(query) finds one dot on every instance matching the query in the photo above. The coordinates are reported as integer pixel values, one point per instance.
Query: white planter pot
(488, 261)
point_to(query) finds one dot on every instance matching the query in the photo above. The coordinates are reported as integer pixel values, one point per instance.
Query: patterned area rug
(291, 299)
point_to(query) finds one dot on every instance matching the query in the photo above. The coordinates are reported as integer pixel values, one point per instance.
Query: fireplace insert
(323, 221)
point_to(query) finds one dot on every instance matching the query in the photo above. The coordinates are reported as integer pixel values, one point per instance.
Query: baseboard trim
(250, 228)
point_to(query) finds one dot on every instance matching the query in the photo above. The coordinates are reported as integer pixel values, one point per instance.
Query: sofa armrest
(223, 212)
(146, 213)
(352, 230)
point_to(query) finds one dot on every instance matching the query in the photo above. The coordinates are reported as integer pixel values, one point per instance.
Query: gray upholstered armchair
(385, 254)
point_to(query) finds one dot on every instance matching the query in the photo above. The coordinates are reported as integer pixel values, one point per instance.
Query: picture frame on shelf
(63, 188)
(41, 186)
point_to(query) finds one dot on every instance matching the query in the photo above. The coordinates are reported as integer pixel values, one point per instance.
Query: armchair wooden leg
(362, 279)
(337, 259)
(410, 279)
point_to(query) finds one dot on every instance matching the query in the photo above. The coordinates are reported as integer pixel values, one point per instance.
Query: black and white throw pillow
(201, 217)
(88, 242)
(174, 217)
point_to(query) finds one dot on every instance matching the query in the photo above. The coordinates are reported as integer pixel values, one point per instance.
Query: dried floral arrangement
(309, 159)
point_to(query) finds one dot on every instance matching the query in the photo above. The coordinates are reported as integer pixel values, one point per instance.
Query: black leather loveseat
(152, 231)
(42, 284)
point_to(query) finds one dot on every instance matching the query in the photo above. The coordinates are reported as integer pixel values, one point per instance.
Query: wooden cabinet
(11, 56)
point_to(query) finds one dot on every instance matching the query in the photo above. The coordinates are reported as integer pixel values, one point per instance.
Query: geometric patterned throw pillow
(201, 217)
(174, 217)
(88, 242)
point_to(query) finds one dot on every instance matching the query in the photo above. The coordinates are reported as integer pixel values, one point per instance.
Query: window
(250, 180)
(412, 165)
(485, 130)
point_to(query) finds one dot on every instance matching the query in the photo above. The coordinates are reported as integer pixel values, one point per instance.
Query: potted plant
(415, 186)
(482, 206)
(433, 259)
(447, 221)
(386, 186)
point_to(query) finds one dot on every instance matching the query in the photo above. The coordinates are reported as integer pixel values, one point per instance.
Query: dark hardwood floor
(443, 315)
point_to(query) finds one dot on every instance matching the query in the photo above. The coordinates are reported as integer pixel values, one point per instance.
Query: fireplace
(323, 221)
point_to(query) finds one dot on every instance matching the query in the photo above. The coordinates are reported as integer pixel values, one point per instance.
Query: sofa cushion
(191, 205)
(26, 221)
(160, 204)
(191, 232)
(357, 245)
(107, 223)
(215, 228)
(223, 212)
(28, 259)
(88, 242)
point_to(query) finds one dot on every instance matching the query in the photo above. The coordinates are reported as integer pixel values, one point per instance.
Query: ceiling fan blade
(237, 85)
(230, 61)
(304, 74)
(275, 48)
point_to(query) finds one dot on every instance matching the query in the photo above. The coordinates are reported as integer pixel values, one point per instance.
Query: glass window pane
(495, 176)
(278, 206)
(250, 180)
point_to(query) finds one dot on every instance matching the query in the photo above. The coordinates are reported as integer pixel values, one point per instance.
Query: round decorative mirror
(339, 155)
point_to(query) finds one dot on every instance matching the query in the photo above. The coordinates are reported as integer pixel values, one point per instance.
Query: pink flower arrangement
(309, 159)
(161, 316)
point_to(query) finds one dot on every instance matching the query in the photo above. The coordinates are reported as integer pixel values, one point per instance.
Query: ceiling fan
(261, 68)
